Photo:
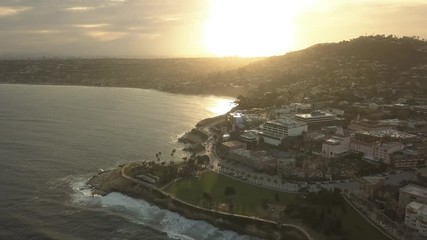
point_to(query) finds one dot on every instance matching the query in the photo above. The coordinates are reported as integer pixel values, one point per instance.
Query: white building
(275, 131)
(336, 146)
(316, 117)
(300, 106)
(416, 217)
(375, 151)
(383, 151)
(411, 193)
(237, 120)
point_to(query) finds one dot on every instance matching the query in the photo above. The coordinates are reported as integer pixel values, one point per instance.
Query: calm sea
(53, 138)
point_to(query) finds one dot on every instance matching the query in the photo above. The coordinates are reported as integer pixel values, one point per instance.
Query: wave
(143, 213)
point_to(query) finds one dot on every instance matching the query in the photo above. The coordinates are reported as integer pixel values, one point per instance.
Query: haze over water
(53, 138)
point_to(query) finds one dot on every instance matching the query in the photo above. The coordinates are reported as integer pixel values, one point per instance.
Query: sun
(250, 28)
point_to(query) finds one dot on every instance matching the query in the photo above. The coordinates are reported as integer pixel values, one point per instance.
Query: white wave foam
(174, 225)
(142, 212)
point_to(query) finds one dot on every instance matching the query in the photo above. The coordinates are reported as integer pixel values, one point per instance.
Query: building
(382, 151)
(367, 125)
(359, 146)
(385, 135)
(316, 118)
(300, 106)
(416, 217)
(336, 146)
(412, 193)
(237, 120)
(420, 108)
(250, 137)
(275, 131)
(258, 160)
(232, 145)
(406, 159)
(370, 185)
(375, 151)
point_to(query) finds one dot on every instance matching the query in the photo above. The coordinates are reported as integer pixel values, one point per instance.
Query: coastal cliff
(115, 181)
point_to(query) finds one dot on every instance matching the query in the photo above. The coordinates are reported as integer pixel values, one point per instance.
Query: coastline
(231, 95)
(116, 180)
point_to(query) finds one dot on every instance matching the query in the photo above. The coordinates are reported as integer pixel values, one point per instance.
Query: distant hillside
(372, 66)
(161, 74)
(366, 67)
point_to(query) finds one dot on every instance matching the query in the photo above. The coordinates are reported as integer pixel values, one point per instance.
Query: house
(412, 193)
(336, 146)
(370, 185)
(416, 217)
(406, 159)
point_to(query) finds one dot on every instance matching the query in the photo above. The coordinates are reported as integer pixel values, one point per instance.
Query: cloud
(97, 25)
(78, 9)
(10, 11)
(106, 35)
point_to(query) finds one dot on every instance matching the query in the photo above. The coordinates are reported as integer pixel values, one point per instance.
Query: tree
(229, 191)
(207, 196)
(264, 204)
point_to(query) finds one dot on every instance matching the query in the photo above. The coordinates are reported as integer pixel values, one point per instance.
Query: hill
(355, 70)
(367, 67)
(172, 75)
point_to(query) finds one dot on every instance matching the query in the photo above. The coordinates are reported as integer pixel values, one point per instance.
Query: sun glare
(250, 28)
(221, 106)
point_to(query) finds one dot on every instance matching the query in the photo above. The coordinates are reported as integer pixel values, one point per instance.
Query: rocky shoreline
(194, 136)
(114, 181)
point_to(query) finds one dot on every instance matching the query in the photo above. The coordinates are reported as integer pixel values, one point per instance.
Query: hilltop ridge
(367, 66)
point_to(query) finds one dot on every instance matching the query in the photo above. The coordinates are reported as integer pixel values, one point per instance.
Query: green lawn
(355, 227)
(247, 200)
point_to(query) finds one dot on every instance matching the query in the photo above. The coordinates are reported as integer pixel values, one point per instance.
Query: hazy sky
(188, 28)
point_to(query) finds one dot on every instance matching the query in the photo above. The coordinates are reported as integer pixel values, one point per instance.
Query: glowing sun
(249, 28)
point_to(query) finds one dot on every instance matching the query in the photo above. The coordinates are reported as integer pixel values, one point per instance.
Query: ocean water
(53, 138)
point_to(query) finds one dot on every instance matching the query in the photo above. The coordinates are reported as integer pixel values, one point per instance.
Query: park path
(123, 174)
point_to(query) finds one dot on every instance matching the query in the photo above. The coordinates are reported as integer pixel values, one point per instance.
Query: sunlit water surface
(53, 138)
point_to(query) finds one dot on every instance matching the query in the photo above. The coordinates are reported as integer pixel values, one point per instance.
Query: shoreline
(124, 87)
(116, 180)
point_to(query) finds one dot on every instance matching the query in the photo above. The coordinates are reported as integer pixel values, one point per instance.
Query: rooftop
(415, 206)
(315, 114)
(380, 133)
(286, 122)
(415, 190)
(332, 141)
(234, 144)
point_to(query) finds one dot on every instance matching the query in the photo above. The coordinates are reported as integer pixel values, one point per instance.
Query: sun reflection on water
(221, 106)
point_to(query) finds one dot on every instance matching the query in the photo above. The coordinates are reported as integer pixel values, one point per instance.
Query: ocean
(53, 138)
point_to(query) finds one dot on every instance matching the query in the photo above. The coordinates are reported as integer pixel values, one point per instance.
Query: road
(246, 174)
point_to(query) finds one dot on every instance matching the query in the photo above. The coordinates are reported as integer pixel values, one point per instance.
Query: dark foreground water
(53, 138)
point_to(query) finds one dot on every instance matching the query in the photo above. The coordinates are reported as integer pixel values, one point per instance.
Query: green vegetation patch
(355, 227)
(329, 214)
(219, 189)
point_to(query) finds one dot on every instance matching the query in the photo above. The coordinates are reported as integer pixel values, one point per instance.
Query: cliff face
(113, 181)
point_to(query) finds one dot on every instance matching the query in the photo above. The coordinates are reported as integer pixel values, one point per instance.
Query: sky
(196, 28)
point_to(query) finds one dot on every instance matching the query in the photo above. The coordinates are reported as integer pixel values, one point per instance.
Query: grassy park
(247, 198)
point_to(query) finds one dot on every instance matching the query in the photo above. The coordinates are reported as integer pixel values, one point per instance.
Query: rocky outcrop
(194, 136)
